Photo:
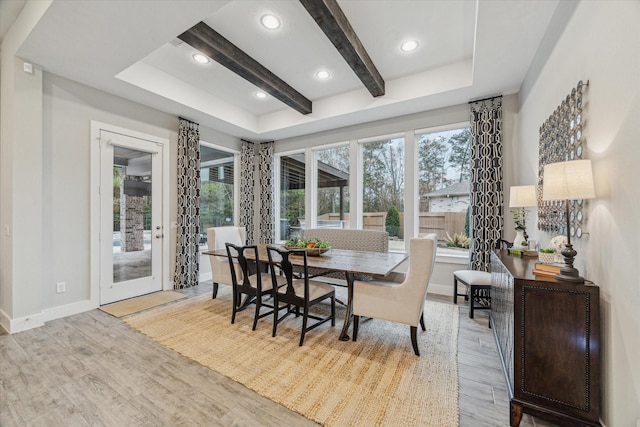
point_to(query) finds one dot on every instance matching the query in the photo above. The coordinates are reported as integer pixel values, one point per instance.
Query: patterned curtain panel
(247, 182)
(487, 210)
(267, 192)
(188, 230)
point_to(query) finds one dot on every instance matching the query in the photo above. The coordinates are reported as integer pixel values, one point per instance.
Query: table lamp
(522, 196)
(566, 181)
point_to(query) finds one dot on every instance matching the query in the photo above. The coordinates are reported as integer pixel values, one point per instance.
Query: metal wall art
(561, 139)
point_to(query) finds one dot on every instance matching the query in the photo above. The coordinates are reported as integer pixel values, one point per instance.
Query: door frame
(94, 189)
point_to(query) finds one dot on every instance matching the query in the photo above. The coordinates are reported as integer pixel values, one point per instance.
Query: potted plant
(545, 255)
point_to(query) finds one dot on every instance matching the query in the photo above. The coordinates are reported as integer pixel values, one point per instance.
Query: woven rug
(376, 381)
(134, 305)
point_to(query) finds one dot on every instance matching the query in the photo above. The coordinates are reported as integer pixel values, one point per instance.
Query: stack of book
(541, 269)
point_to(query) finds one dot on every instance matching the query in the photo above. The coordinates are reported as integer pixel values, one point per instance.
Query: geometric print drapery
(188, 223)
(247, 185)
(487, 210)
(267, 192)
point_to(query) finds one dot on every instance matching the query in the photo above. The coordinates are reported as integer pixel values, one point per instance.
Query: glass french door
(130, 217)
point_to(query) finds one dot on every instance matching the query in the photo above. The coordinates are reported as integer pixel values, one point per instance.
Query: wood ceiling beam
(215, 46)
(332, 20)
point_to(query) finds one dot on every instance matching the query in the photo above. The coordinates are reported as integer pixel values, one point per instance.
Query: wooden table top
(360, 262)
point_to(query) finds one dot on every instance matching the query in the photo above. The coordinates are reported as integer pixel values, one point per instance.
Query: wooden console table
(548, 336)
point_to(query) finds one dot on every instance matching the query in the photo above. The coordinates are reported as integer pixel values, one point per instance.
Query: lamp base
(568, 273)
(564, 277)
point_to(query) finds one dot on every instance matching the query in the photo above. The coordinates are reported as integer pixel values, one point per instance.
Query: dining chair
(254, 285)
(401, 303)
(298, 292)
(216, 239)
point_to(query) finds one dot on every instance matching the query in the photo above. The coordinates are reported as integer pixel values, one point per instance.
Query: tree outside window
(383, 187)
(444, 185)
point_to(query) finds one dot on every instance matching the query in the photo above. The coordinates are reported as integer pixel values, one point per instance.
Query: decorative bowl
(311, 251)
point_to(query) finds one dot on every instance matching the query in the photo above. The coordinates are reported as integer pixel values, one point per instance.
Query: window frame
(431, 130)
(411, 188)
(236, 176)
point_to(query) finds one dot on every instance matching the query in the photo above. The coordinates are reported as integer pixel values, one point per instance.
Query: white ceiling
(468, 50)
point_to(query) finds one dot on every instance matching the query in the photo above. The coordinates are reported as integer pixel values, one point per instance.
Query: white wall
(69, 108)
(601, 43)
(57, 183)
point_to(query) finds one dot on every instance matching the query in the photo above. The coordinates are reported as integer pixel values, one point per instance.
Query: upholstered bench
(478, 292)
(355, 240)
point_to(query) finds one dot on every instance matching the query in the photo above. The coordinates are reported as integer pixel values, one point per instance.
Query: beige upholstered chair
(404, 302)
(216, 239)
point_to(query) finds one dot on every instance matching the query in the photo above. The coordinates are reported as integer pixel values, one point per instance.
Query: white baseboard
(4, 321)
(20, 324)
(61, 311)
(36, 320)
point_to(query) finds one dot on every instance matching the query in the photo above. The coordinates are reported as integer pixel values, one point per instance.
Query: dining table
(350, 262)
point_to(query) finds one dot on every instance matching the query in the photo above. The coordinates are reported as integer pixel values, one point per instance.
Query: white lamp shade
(523, 196)
(568, 181)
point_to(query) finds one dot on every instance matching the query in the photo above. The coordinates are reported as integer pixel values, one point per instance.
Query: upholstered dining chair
(298, 292)
(401, 303)
(255, 286)
(216, 239)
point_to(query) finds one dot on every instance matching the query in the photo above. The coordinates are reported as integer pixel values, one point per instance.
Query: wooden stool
(475, 281)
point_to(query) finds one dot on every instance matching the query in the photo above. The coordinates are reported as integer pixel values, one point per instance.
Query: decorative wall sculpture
(561, 139)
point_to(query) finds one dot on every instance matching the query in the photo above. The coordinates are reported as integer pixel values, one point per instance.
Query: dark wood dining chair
(298, 292)
(255, 285)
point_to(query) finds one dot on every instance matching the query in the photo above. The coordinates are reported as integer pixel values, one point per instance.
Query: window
(217, 188)
(444, 171)
(383, 188)
(332, 172)
(292, 176)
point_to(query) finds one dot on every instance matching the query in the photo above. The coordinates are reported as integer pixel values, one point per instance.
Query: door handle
(159, 236)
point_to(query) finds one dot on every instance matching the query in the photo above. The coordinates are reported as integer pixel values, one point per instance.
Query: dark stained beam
(330, 18)
(210, 43)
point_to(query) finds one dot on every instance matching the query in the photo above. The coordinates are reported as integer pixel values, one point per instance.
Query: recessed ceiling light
(270, 21)
(409, 45)
(200, 59)
(260, 95)
(323, 74)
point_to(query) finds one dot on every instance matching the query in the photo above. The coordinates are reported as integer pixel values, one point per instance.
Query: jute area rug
(134, 305)
(376, 381)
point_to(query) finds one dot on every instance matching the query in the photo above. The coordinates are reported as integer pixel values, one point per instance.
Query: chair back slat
(279, 260)
(238, 252)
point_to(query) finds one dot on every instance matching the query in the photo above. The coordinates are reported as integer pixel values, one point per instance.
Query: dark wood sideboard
(548, 336)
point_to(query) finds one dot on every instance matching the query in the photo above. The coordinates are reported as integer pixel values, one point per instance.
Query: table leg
(344, 334)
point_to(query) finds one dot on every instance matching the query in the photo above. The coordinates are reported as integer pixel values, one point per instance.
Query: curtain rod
(187, 120)
(485, 99)
(253, 142)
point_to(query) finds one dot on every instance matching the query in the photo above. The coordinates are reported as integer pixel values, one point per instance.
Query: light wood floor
(92, 370)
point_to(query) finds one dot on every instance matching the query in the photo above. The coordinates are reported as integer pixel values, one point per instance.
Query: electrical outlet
(61, 287)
